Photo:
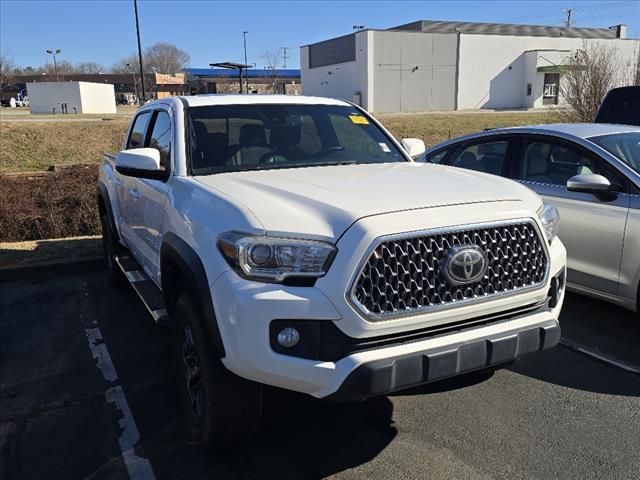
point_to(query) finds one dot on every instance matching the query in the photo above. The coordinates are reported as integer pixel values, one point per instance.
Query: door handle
(135, 193)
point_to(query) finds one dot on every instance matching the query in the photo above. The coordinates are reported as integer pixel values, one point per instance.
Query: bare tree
(593, 70)
(272, 59)
(89, 67)
(159, 58)
(635, 75)
(126, 65)
(165, 58)
(7, 68)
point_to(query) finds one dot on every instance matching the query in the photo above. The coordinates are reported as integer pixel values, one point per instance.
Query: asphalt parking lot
(86, 391)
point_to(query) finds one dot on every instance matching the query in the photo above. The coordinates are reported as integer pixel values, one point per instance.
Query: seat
(536, 166)
(469, 161)
(212, 149)
(285, 140)
(253, 144)
(201, 158)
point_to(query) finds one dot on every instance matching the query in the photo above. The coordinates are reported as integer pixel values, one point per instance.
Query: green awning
(554, 69)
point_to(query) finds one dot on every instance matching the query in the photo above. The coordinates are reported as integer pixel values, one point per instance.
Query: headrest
(286, 136)
(536, 161)
(252, 135)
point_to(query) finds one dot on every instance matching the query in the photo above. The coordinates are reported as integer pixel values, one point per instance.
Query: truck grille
(404, 274)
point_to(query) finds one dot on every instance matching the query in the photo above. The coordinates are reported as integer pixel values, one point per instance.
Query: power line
(553, 13)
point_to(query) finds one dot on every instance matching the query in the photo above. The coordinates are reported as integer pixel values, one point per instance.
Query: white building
(432, 65)
(71, 97)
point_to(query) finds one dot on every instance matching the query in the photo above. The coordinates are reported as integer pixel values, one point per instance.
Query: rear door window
(488, 157)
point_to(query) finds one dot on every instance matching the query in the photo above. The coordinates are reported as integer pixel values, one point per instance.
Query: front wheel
(220, 408)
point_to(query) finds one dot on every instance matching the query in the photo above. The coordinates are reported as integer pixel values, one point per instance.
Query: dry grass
(49, 205)
(29, 147)
(434, 128)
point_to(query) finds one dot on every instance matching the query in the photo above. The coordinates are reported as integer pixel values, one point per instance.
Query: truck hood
(322, 202)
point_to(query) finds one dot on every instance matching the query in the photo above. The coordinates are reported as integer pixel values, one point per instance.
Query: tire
(220, 408)
(111, 248)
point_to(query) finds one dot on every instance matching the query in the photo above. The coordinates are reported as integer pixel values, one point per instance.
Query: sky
(211, 31)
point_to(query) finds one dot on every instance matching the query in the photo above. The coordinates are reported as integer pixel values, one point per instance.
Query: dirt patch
(49, 205)
(21, 254)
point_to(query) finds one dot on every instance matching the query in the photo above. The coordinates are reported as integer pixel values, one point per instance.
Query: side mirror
(589, 183)
(414, 147)
(141, 163)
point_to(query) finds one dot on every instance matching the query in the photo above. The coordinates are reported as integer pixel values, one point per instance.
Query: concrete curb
(62, 267)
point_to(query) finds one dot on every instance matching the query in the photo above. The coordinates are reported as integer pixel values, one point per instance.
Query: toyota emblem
(465, 264)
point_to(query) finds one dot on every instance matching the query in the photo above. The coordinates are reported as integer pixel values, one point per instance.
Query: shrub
(49, 205)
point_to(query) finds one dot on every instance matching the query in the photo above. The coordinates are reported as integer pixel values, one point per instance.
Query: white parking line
(603, 357)
(138, 468)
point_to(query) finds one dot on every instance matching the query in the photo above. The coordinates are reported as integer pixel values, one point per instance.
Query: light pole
(55, 52)
(246, 80)
(135, 85)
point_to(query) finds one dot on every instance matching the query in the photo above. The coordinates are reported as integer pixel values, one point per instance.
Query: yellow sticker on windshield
(359, 120)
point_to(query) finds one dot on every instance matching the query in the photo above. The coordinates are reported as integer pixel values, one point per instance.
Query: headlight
(273, 259)
(550, 219)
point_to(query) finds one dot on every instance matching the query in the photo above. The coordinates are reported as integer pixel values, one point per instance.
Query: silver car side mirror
(590, 183)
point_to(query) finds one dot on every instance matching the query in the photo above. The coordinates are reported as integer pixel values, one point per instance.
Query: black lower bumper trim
(380, 377)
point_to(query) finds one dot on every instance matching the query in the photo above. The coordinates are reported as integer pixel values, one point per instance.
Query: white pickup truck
(293, 242)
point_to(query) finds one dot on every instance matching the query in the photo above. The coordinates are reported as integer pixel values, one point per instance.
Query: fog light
(288, 337)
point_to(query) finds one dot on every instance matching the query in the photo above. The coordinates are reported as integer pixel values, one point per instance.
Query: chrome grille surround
(518, 262)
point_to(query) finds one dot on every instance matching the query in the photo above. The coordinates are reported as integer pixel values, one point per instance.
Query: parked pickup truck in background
(293, 242)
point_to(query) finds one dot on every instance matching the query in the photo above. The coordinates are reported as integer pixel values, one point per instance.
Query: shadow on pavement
(299, 438)
(607, 328)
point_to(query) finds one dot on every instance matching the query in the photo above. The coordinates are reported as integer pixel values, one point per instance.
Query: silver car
(591, 173)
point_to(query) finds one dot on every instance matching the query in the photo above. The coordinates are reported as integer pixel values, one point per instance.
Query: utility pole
(284, 58)
(568, 12)
(144, 95)
(246, 79)
(55, 64)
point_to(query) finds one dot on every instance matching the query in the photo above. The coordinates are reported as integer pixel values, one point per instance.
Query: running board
(148, 292)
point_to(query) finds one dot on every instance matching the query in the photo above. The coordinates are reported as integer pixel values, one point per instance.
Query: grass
(32, 147)
(434, 128)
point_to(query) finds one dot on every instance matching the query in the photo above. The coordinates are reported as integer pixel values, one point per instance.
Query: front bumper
(380, 377)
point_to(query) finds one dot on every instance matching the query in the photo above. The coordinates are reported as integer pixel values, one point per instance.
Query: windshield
(229, 138)
(625, 146)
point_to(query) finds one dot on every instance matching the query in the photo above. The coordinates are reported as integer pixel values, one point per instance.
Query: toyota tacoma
(291, 241)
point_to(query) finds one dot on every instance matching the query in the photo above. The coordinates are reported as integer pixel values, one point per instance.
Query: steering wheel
(272, 157)
(325, 151)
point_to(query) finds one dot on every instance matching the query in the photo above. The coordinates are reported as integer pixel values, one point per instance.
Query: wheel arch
(104, 206)
(183, 271)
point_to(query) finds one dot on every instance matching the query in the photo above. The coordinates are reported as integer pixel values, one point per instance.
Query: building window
(528, 89)
(549, 89)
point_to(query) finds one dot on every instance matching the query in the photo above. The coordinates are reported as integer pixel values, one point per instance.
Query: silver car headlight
(274, 259)
(550, 219)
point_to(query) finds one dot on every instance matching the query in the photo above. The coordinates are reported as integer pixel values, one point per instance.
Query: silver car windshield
(625, 146)
(230, 138)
